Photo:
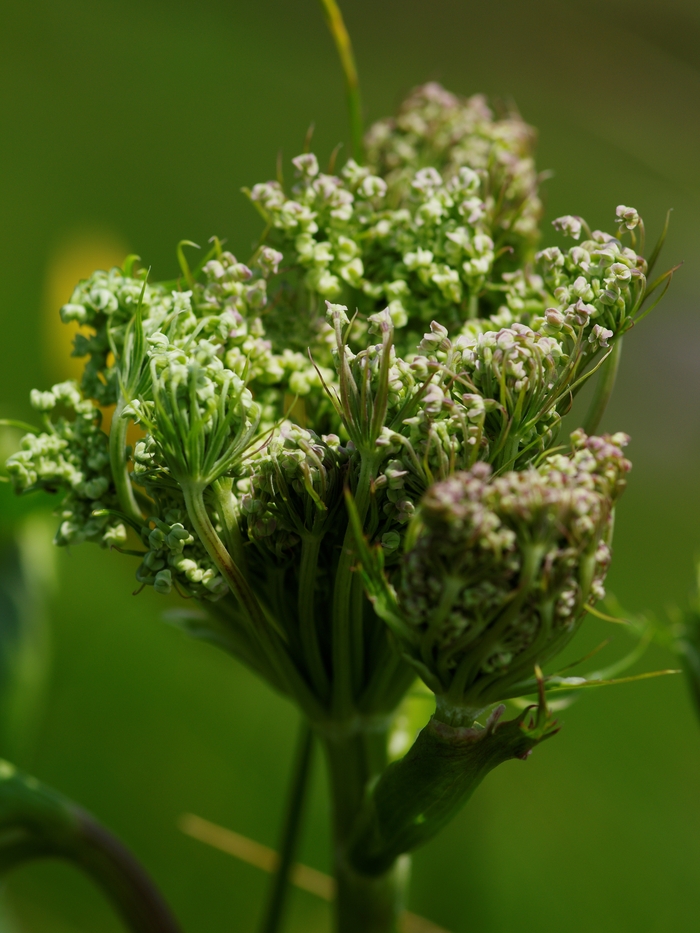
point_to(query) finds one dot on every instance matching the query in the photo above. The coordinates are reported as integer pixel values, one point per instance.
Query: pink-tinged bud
(554, 317)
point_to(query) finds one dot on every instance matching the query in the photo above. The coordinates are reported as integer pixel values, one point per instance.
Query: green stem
(336, 25)
(604, 389)
(197, 511)
(290, 833)
(364, 904)
(117, 457)
(390, 679)
(224, 627)
(227, 509)
(415, 797)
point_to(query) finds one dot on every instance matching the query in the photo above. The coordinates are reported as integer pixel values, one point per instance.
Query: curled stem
(36, 822)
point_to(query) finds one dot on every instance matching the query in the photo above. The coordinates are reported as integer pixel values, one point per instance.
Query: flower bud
(599, 336)
(337, 314)
(269, 260)
(568, 225)
(626, 216)
(163, 582)
(42, 401)
(554, 318)
(306, 165)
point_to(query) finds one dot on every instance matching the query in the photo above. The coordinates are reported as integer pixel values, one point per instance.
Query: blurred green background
(132, 125)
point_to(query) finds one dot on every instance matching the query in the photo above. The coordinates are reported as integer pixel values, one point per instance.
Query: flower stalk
(279, 889)
(343, 45)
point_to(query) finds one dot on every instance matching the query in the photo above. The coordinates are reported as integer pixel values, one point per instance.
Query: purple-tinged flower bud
(337, 313)
(580, 313)
(552, 257)
(306, 165)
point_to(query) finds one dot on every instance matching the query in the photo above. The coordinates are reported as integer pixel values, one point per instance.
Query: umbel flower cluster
(379, 388)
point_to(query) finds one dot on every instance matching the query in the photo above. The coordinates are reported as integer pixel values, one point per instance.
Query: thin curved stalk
(279, 889)
(115, 869)
(604, 389)
(227, 509)
(336, 25)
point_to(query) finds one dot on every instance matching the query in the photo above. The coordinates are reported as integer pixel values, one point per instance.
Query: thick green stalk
(290, 832)
(418, 795)
(364, 904)
(117, 457)
(336, 25)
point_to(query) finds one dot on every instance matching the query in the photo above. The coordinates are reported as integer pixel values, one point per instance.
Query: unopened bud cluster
(502, 567)
(436, 128)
